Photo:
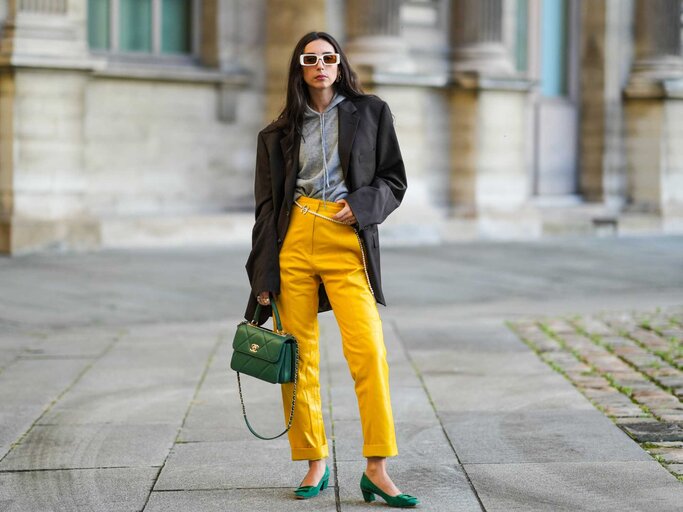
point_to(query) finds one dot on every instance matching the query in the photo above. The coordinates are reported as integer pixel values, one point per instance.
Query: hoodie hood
(319, 165)
(309, 113)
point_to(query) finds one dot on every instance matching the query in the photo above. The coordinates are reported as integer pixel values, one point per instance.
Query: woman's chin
(320, 84)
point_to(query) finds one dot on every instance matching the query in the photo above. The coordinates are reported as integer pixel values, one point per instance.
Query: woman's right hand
(263, 298)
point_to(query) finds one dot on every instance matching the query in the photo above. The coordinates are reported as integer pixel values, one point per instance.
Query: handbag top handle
(278, 324)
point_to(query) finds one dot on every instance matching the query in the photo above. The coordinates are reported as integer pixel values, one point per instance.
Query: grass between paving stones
(626, 359)
(598, 340)
(652, 449)
(674, 354)
(625, 390)
(543, 326)
(671, 356)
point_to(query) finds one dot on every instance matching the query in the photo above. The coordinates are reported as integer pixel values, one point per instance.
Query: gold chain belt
(306, 209)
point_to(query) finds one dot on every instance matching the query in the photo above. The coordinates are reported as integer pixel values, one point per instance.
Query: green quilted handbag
(271, 356)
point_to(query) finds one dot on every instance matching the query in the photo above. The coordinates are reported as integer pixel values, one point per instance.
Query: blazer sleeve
(263, 262)
(373, 203)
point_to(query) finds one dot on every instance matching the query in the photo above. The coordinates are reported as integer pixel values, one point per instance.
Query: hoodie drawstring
(326, 181)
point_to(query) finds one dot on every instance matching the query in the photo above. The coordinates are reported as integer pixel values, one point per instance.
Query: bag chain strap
(291, 412)
(306, 209)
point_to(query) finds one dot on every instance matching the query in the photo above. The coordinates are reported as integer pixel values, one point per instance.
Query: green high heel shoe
(309, 491)
(369, 490)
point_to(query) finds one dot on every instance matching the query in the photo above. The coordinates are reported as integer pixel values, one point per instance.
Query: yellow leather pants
(316, 249)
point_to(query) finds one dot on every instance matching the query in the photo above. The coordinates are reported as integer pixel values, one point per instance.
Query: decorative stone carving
(43, 6)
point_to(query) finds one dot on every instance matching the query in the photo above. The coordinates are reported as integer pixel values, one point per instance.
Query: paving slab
(443, 330)
(439, 486)
(79, 341)
(239, 500)
(573, 487)
(493, 392)
(27, 389)
(456, 360)
(38, 381)
(127, 401)
(645, 432)
(416, 440)
(231, 465)
(538, 436)
(91, 446)
(15, 421)
(148, 376)
(104, 490)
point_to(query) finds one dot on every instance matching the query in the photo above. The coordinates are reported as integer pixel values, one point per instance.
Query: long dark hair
(292, 115)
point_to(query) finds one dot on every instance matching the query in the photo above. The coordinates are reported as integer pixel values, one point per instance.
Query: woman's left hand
(345, 215)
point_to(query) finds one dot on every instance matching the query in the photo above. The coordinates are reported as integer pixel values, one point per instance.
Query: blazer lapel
(291, 165)
(348, 123)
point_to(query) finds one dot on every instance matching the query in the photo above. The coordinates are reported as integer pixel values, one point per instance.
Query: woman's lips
(321, 77)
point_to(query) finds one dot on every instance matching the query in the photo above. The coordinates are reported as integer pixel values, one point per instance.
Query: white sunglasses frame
(320, 58)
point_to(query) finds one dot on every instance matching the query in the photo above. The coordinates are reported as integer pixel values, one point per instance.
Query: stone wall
(132, 155)
(158, 148)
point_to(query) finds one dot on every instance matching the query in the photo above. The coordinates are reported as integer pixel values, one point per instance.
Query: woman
(329, 167)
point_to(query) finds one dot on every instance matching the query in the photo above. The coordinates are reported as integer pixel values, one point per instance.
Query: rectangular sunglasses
(311, 59)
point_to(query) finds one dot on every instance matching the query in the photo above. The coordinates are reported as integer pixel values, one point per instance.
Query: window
(156, 27)
(554, 33)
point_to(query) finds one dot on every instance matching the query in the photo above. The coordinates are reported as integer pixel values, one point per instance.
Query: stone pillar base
(379, 54)
(653, 129)
(485, 58)
(5, 237)
(20, 235)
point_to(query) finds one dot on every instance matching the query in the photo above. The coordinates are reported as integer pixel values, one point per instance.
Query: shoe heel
(368, 496)
(324, 485)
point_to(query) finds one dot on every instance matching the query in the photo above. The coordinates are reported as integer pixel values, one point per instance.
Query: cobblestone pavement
(628, 364)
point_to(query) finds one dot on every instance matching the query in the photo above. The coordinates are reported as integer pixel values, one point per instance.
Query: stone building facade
(133, 122)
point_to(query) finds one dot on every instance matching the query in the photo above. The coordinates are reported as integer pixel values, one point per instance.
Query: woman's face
(320, 76)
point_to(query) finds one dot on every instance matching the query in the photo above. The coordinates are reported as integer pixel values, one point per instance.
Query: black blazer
(374, 174)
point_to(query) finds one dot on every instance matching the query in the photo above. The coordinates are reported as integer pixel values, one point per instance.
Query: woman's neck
(320, 98)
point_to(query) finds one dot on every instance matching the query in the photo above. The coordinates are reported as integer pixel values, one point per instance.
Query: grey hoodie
(320, 174)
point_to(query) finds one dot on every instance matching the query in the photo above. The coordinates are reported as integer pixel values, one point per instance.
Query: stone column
(43, 56)
(604, 39)
(6, 160)
(379, 52)
(653, 106)
(477, 38)
(374, 43)
(286, 22)
(488, 108)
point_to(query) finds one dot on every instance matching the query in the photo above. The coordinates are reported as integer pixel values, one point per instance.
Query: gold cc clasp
(253, 347)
